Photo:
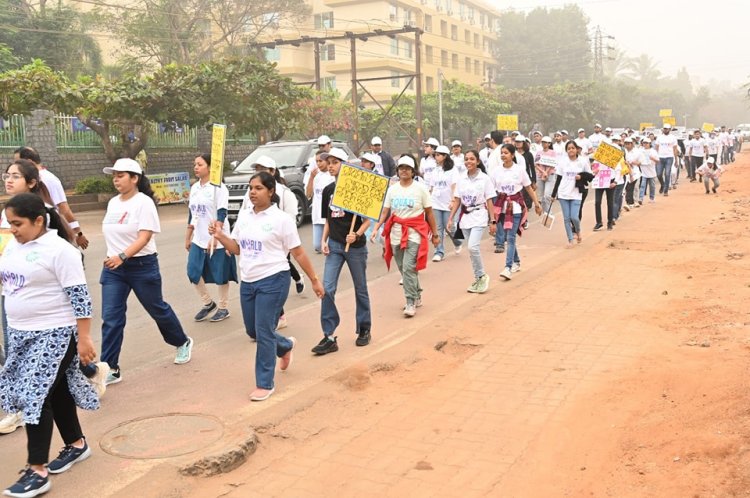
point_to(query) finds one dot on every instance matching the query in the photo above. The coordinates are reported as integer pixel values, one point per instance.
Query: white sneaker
(459, 249)
(418, 302)
(99, 380)
(11, 422)
(506, 273)
(282, 323)
(515, 268)
(400, 281)
(437, 258)
(483, 284)
(410, 310)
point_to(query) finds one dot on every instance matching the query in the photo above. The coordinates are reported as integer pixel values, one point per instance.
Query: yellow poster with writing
(360, 191)
(608, 154)
(644, 126)
(218, 139)
(708, 127)
(665, 113)
(671, 120)
(507, 122)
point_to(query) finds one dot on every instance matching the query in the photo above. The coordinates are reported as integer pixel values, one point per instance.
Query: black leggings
(58, 407)
(600, 193)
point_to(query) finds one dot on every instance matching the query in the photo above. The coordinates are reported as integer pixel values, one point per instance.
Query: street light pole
(440, 102)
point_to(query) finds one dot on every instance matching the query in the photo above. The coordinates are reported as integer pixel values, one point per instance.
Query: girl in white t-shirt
(208, 262)
(128, 227)
(545, 161)
(648, 171)
(263, 236)
(473, 197)
(510, 181)
(570, 172)
(319, 179)
(442, 184)
(49, 327)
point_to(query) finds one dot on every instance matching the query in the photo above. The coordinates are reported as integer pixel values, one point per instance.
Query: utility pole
(418, 64)
(440, 101)
(355, 103)
(317, 44)
(598, 53)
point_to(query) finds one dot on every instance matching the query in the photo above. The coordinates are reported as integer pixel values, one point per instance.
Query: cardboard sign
(170, 188)
(218, 139)
(603, 178)
(708, 127)
(360, 191)
(548, 161)
(548, 219)
(507, 122)
(644, 126)
(671, 120)
(608, 154)
(665, 113)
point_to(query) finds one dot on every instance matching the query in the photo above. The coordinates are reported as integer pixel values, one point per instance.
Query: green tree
(644, 69)
(544, 47)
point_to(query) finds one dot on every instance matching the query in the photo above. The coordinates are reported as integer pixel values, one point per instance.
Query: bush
(95, 185)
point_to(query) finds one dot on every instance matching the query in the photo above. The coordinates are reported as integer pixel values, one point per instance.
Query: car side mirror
(233, 165)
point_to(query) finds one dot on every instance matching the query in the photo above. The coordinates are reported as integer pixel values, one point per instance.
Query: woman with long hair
(573, 172)
(442, 184)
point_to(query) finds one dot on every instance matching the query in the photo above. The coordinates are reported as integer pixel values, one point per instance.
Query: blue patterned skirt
(31, 366)
(217, 269)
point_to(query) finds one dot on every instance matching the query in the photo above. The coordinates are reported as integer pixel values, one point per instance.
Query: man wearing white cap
(536, 143)
(324, 145)
(428, 164)
(484, 153)
(666, 147)
(596, 137)
(458, 156)
(585, 143)
(388, 164)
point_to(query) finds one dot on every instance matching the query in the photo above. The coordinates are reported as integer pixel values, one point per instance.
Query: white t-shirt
(321, 181)
(406, 202)
(53, 184)
(4, 220)
(458, 163)
(473, 193)
(509, 181)
(595, 139)
(124, 219)
(484, 155)
(203, 210)
(665, 145)
(559, 148)
(426, 167)
(34, 275)
(287, 200)
(520, 160)
(265, 239)
(585, 144)
(493, 161)
(697, 147)
(648, 166)
(568, 170)
(442, 183)
(713, 146)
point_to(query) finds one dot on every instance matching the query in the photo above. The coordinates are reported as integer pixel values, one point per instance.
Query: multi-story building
(459, 40)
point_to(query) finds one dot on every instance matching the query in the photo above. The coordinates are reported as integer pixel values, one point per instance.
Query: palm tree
(618, 64)
(644, 69)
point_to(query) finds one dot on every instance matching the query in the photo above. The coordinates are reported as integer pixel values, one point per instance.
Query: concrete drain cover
(162, 436)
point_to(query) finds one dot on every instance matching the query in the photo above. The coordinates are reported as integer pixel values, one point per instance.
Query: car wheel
(301, 209)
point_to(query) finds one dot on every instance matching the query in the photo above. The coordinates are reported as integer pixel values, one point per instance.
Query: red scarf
(507, 216)
(417, 223)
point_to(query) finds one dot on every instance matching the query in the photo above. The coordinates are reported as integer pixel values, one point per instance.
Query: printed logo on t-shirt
(199, 210)
(32, 256)
(251, 248)
(402, 203)
(12, 282)
(508, 189)
(469, 200)
(116, 218)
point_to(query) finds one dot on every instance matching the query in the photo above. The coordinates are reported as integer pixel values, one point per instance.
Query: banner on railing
(170, 188)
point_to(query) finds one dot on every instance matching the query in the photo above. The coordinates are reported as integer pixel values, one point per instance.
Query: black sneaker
(610, 226)
(29, 485)
(205, 311)
(325, 346)
(714, 190)
(69, 456)
(363, 338)
(299, 285)
(598, 227)
(499, 249)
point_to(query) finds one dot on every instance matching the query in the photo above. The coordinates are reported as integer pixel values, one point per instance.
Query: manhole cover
(162, 436)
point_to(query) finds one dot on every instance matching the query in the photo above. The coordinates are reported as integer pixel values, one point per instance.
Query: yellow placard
(665, 113)
(643, 126)
(170, 188)
(671, 120)
(608, 154)
(218, 139)
(507, 122)
(360, 191)
(5, 237)
(708, 127)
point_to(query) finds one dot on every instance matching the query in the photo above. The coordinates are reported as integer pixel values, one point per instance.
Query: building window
(444, 58)
(454, 32)
(409, 49)
(461, 9)
(467, 36)
(328, 83)
(428, 23)
(394, 46)
(328, 52)
(485, 44)
(449, 7)
(438, 5)
(395, 80)
(324, 20)
(476, 40)
(428, 54)
(393, 12)
(429, 85)
(477, 68)
(407, 17)
(444, 29)
(481, 19)
(272, 54)
(471, 13)
(467, 64)
(454, 61)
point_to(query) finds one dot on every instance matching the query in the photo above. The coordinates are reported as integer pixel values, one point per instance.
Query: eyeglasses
(8, 176)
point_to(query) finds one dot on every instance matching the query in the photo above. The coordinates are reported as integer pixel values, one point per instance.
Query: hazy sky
(710, 38)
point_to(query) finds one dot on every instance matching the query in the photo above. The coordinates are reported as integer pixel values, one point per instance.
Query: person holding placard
(442, 184)
(634, 158)
(545, 162)
(408, 223)
(344, 241)
(473, 197)
(604, 185)
(572, 173)
(208, 262)
(509, 181)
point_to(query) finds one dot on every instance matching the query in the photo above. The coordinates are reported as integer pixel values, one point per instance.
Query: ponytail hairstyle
(512, 149)
(144, 186)
(448, 163)
(31, 207)
(268, 181)
(30, 173)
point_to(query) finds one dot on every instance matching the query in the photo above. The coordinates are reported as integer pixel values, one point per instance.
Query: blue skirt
(218, 269)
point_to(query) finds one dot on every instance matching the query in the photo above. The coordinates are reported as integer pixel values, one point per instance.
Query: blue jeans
(356, 260)
(618, 200)
(261, 303)
(651, 184)
(317, 236)
(511, 255)
(473, 237)
(570, 209)
(499, 235)
(441, 220)
(664, 173)
(141, 275)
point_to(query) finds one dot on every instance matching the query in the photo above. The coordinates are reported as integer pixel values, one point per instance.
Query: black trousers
(629, 191)
(610, 204)
(59, 408)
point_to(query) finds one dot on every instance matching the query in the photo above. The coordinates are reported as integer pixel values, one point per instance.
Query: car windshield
(285, 156)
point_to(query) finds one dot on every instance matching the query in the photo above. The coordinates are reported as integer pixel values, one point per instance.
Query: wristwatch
(123, 256)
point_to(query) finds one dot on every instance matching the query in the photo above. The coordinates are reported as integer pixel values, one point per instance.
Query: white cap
(339, 154)
(456, 143)
(711, 160)
(431, 141)
(546, 139)
(487, 136)
(515, 132)
(443, 150)
(373, 158)
(265, 162)
(406, 161)
(628, 140)
(607, 129)
(536, 132)
(125, 164)
(520, 138)
(376, 141)
(565, 132)
(646, 140)
(558, 133)
(324, 139)
(667, 126)
(581, 130)
(597, 125)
